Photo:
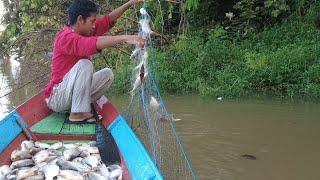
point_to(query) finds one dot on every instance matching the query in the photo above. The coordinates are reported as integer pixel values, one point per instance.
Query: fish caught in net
(148, 116)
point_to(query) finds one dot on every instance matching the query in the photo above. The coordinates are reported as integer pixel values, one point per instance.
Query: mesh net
(149, 118)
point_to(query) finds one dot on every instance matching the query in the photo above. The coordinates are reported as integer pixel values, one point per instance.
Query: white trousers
(79, 87)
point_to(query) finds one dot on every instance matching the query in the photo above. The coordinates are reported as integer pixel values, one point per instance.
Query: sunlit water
(282, 135)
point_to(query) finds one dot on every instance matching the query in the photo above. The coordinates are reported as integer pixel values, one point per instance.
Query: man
(73, 84)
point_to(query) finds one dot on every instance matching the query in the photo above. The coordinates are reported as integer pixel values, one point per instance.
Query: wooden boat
(46, 125)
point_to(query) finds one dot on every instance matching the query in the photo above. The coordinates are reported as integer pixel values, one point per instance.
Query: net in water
(148, 116)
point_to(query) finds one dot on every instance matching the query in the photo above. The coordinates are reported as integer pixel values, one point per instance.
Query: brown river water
(282, 135)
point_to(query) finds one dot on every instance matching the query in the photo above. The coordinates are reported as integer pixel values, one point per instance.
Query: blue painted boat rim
(130, 147)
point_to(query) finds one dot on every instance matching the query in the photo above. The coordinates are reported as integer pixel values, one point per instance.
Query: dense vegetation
(270, 46)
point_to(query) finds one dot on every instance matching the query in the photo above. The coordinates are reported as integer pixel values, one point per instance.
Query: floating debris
(248, 156)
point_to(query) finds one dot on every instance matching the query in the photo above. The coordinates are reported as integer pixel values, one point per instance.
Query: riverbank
(283, 61)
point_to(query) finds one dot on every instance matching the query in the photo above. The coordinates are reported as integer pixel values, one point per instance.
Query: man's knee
(108, 74)
(85, 64)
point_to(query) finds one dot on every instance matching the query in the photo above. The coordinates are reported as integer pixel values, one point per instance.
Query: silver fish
(11, 177)
(67, 165)
(55, 152)
(19, 155)
(154, 104)
(104, 171)
(41, 145)
(26, 145)
(70, 146)
(41, 156)
(92, 143)
(97, 156)
(56, 145)
(77, 159)
(24, 173)
(50, 171)
(84, 154)
(90, 149)
(143, 11)
(40, 165)
(137, 83)
(91, 161)
(5, 170)
(70, 174)
(144, 23)
(35, 150)
(70, 154)
(135, 53)
(115, 172)
(21, 163)
(38, 176)
(94, 176)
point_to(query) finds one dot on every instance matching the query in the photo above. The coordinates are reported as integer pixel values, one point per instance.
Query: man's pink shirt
(70, 47)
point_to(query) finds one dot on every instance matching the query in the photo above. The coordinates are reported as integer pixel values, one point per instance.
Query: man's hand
(135, 39)
(133, 2)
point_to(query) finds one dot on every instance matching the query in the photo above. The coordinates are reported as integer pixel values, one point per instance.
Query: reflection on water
(15, 87)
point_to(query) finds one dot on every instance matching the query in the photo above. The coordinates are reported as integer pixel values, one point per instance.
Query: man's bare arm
(115, 14)
(109, 41)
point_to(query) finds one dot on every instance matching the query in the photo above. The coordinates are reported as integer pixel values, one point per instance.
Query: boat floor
(55, 124)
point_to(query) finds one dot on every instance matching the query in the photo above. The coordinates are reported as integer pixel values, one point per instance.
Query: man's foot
(81, 117)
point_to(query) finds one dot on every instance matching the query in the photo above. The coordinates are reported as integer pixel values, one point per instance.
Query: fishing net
(148, 116)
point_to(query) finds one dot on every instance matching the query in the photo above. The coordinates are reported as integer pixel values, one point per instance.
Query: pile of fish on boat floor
(37, 160)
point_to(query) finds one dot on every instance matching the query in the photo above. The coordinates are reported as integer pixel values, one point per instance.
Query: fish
(154, 104)
(77, 159)
(68, 165)
(24, 173)
(117, 173)
(5, 170)
(84, 154)
(70, 146)
(41, 145)
(11, 177)
(97, 156)
(41, 156)
(55, 152)
(70, 154)
(21, 163)
(20, 154)
(92, 143)
(145, 28)
(145, 55)
(95, 176)
(135, 53)
(143, 11)
(38, 176)
(137, 83)
(90, 149)
(26, 145)
(56, 145)
(70, 174)
(35, 150)
(104, 171)
(50, 171)
(91, 161)
(139, 65)
(40, 165)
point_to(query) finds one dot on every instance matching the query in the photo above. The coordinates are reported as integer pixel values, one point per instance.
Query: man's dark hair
(80, 7)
